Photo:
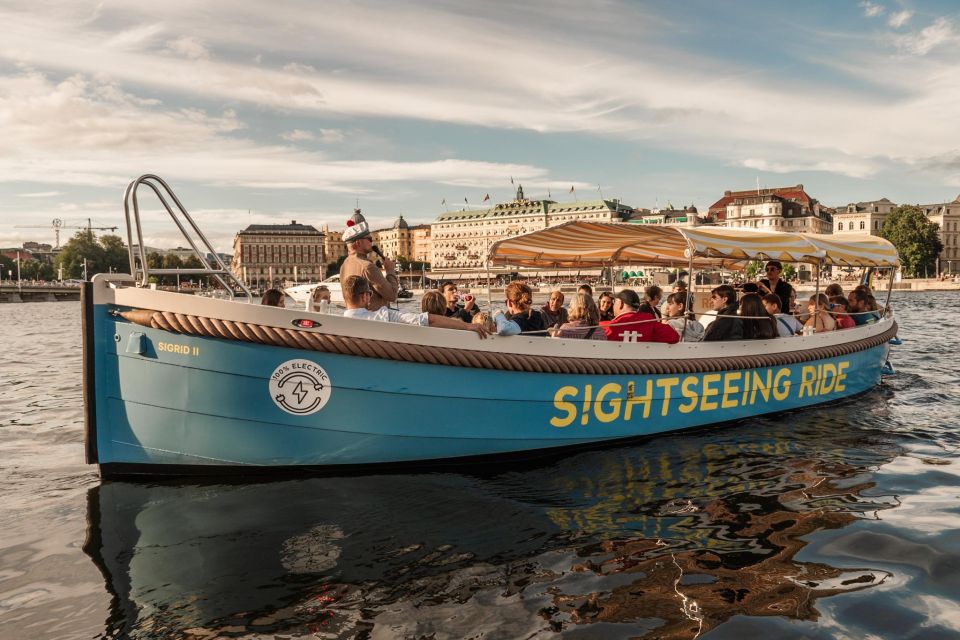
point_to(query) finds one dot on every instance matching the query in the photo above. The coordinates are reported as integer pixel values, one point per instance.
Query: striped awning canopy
(581, 244)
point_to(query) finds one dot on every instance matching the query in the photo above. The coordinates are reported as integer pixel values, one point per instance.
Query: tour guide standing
(359, 244)
(773, 284)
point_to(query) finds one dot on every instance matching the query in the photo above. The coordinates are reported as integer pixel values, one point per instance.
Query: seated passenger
(634, 325)
(787, 325)
(357, 293)
(434, 302)
(840, 310)
(757, 323)
(584, 318)
(651, 300)
(727, 326)
(605, 305)
(833, 289)
(820, 318)
(690, 330)
(464, 311)
(273, 298)
(319, 300)
(520, 316)
(484, 318)
(750, 287)
(553, 312)
(585, 288)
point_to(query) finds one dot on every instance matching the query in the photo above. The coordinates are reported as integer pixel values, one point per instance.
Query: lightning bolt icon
(300, 392)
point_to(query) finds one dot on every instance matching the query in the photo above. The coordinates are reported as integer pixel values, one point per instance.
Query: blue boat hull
(165, 400)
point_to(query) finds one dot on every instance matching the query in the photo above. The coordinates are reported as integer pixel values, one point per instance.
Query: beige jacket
(385, 288)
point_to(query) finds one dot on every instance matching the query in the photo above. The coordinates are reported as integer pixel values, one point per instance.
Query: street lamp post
(19, 284)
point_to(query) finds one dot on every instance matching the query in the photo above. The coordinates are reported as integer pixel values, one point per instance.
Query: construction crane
(57, 224)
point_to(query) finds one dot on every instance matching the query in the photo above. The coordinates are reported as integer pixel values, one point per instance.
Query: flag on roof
(486, 197)
(571, 189)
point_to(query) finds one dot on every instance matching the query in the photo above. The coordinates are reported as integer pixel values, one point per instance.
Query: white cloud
(939, 33)
(852, 168)
(297, 135)
(188, 47)
(871, 9)
(900, 18)
(40, 194)
(332, 136)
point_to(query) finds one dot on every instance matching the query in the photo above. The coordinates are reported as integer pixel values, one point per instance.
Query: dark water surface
(836, 522)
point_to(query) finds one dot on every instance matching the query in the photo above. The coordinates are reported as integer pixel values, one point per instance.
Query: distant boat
(301, 293)
(175, 384)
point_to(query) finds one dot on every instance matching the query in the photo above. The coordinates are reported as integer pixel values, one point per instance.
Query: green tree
(7, 266)
(753, 269)
(916, 238)
(115, 255)
(82, 246)
(36, 270)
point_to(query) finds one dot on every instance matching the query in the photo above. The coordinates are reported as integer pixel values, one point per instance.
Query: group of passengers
(766, 309)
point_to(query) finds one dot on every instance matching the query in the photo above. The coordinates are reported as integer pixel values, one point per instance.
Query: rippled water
(836, 522)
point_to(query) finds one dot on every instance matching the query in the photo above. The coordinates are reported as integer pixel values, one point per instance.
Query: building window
(840, 226)
(863, 225)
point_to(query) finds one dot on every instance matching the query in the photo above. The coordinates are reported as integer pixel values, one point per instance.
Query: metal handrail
(141, 273)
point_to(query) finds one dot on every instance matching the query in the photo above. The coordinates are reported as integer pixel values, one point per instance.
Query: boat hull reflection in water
(671, 538)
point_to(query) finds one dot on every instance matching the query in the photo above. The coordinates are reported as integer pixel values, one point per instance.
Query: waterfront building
(266, 255)
(863, 217)
(947, 216)
(776, 209)
(686, 217)
(334, 247)
(461, 239)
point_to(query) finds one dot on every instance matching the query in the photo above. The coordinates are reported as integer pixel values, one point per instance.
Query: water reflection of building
(267, 254)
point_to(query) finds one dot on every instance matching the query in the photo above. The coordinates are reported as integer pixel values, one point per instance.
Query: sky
(266, 112)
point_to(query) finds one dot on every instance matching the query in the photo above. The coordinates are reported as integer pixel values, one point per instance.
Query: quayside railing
(140, 269)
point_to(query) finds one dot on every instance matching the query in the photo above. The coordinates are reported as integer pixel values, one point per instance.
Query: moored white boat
(177, 384)
(301, 293)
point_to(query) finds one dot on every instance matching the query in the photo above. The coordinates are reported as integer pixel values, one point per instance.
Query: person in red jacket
(631, 325)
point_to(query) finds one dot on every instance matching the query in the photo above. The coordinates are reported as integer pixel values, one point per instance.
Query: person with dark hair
(356, 295)
(273, 298)
(463, 311)
(787, 325)
(684, 323)
(634, 325)
(833, 289)
(605, 305)
(773, 284)
(750, 287)
(727, 326)
(652, 295)
(521, 317)
(757, 323)
(553, 312)
(841, 312)
(585, 288)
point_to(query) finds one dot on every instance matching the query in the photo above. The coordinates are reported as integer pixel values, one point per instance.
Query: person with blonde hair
(319, 299)
(434, 302)
(583, 320)
(820, 318)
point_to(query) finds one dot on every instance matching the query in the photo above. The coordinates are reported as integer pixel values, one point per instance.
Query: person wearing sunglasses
(773, 284)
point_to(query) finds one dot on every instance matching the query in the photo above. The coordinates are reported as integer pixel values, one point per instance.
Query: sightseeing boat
(176, 384)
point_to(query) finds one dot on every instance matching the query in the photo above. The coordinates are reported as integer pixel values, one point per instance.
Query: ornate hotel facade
(266, 255)
(777, 209)
(461, 239)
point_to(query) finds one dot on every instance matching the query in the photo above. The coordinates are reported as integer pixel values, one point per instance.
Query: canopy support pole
(687, 307)
(886, 305)
(816, 298)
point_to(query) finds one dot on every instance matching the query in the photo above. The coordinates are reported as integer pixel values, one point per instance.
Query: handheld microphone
(377, 251)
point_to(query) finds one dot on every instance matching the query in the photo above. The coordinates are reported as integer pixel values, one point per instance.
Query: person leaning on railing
(356, 296)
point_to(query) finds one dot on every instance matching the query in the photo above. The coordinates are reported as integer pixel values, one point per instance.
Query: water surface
(840, 521)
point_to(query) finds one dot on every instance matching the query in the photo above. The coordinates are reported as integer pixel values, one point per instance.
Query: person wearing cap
(385, 287)
(773, 284)
(356, 293)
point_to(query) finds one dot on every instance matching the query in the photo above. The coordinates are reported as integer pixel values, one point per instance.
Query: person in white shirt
(357, 293)
(787, 325)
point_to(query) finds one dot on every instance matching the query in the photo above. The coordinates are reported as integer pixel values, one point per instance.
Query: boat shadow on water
(667, 538)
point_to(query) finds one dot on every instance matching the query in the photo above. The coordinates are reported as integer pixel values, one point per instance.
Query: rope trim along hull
(386, 350)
